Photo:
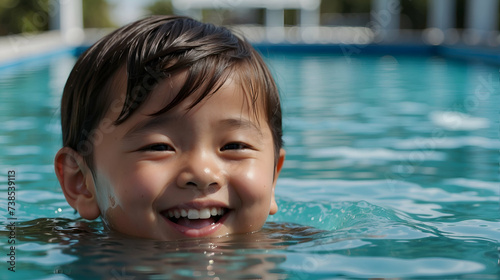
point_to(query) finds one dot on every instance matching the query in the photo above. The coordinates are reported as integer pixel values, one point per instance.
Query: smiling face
(201, 172)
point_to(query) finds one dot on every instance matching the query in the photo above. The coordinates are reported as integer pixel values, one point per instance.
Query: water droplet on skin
(112, 202)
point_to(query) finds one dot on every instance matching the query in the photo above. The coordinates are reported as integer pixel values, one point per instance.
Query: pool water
(392, 172)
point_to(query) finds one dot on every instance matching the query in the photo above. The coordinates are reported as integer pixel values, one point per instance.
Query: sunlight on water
(391, 171)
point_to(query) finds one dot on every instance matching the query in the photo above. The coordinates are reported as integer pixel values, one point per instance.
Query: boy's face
(204, 172)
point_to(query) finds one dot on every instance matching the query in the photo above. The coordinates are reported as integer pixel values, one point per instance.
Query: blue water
(392, 172)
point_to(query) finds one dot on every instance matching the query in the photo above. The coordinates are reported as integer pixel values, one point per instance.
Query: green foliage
(413, 14)
(96, 14)
(345, 6)
(290, 17)
(31, 16)
(26, 16)
(160, 7)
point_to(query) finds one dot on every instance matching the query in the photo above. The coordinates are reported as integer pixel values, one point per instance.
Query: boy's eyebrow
(146, 125)
(241, 123)
(159, 121)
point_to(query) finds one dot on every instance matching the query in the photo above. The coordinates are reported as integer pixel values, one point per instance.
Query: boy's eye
(234, 146)
(158, 147)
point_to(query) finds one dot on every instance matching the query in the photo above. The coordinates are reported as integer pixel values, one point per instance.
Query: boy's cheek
(125, 222)
(126, 211)
(126, 195)
(256, 199)
(257, 181)
(106, 197)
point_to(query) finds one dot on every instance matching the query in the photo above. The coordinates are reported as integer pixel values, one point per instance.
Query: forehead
(230, 92)
(116, 89)
(242, 86)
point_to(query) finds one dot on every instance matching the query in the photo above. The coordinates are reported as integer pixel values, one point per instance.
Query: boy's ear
(279, 165)
(76, 182)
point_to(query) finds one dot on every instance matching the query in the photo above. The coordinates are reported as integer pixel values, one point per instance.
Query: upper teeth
(204, 213)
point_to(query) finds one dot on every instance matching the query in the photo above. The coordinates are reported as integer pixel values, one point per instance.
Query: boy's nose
(201, 171)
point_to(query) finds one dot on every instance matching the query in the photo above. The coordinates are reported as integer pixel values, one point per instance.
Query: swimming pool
(392, 171)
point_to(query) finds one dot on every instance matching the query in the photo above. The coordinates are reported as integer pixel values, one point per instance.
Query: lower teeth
(176, 220)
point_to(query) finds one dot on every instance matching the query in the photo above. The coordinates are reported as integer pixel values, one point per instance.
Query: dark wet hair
(153, 49)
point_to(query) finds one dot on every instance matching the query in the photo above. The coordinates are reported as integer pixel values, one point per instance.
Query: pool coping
(25, 48)
(463, 52)
(20, 49)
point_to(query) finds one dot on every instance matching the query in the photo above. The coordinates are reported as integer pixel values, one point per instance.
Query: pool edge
(465, 53)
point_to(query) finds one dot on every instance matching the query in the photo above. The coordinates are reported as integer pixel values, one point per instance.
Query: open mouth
(195, 218)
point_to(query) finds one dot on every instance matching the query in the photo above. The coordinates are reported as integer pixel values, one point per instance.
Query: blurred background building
(471, 22)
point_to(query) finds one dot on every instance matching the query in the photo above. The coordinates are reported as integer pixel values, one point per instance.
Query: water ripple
(374, 267)
(370, 153)
(458, 121)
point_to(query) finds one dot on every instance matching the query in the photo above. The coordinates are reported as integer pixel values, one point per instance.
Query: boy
(171, 130)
